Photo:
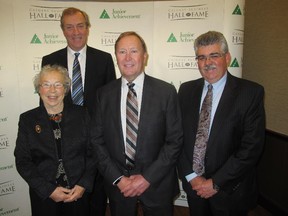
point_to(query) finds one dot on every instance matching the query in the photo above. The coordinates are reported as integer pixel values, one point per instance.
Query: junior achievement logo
(7, 188)
(235, 63)
(182, 63)
(48, 39)
(109, 38)
(44, 13)
(188, 12)
(237, 10)
(119, 14)
(181, 37)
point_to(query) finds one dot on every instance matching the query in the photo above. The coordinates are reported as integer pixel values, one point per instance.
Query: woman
(52, 151)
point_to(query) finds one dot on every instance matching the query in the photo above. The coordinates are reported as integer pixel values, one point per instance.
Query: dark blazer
(236, 137)
(36, 150)
(99, 71)
(159, 139)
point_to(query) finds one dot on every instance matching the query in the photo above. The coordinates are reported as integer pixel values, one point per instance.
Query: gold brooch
(38, 129)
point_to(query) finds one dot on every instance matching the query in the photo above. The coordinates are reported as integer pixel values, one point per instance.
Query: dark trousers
(98, 198)
(48, 207)
(215, 206)
(151, 204)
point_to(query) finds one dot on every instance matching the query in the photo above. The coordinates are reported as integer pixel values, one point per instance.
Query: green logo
(171, 38)
(234, 63)
(104, 15)
(237, 11)
(35, 40)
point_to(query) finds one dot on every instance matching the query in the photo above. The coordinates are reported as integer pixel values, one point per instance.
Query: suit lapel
(89, 62)
(116, 108)
(63, 58)
(195, 101)
(226, 102)
(145, 106)
(64, 62)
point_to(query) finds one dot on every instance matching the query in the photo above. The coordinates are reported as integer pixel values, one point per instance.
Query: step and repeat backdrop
(31, 29)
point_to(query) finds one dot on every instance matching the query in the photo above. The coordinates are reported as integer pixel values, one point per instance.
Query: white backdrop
(31, 29)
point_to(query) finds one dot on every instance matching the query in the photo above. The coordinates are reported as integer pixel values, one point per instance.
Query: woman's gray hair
(52, 68)
(211, 38)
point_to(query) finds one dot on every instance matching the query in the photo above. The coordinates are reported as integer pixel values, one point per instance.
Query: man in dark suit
(97, 69)
(236, 134)
(149, 176)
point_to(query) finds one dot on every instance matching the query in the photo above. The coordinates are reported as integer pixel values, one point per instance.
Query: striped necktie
(202, 135)
(131, 125)
(77, 86)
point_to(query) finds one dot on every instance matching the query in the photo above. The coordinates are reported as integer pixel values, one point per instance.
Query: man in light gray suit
(149, 178)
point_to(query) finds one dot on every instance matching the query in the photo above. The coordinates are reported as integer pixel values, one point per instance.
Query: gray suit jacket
(159, 139)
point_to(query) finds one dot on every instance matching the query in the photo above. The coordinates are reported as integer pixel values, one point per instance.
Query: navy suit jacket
(100, 70)
(159, 140)
(236, 137)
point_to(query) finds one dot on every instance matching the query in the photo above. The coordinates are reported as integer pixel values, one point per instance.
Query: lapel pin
(38, 129)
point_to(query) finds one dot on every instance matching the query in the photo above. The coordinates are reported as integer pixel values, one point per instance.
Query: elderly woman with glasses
(52, 151)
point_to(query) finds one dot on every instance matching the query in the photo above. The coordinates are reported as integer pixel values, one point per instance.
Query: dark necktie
(77, 86)
(131, 125)
(202, 135)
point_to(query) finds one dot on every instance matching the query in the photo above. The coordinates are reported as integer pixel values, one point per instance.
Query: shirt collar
(138, 81)
(219, 83)
(82, 51)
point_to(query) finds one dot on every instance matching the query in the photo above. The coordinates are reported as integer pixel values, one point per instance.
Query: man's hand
(124, 182)
(195, 182)
(205, 189)
(138, 184)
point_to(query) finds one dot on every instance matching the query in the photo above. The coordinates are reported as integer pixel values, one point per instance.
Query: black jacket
(36, 151)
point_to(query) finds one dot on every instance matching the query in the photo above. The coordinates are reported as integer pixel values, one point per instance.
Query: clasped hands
(67, 195)
(203, 187)
(133, 186)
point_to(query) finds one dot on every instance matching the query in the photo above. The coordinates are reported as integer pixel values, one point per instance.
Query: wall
(265, 52)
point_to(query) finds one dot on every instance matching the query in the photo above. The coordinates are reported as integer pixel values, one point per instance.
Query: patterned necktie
(131, 125)
(77, 86)
(202, 135)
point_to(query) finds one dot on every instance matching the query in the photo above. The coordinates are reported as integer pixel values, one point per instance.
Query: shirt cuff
(190, 176)
(117, 180)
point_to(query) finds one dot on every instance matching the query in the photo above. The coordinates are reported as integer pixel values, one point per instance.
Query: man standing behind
(89, 69)
(224, 127)
(137, 135)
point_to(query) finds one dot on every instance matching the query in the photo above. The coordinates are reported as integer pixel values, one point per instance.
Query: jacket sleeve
(250, 145)
(87, 180)
(25, 165)
(172, 146)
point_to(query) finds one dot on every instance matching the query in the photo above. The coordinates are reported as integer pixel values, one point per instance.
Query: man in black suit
(236, 134)
(149, 177)
(97, 69)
